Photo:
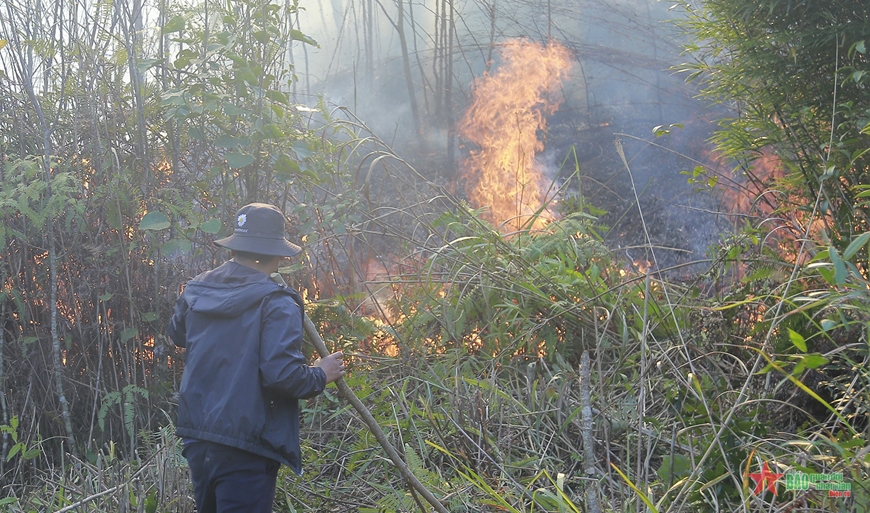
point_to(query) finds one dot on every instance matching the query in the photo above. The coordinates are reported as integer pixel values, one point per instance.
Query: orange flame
(765, 195)
(506, 115)
(379, 290)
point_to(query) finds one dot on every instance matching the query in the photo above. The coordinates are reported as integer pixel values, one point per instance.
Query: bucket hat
(259, 228)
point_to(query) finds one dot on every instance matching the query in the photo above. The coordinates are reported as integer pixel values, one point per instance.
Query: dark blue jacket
(244, 369)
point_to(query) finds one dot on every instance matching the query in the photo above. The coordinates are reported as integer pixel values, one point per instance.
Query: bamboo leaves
(19, 447)
(521, 294)
(298, 35)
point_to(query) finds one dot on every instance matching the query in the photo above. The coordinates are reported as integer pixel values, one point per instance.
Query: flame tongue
(504, 120)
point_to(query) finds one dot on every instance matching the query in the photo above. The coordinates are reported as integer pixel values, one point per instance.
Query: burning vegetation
(467, 350)
(506, 122)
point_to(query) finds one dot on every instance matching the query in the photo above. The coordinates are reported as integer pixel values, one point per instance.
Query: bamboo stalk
(314, 337)
(586, 433)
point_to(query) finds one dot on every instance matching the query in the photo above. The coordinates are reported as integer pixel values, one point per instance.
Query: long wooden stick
(374, 427)
(314, 337)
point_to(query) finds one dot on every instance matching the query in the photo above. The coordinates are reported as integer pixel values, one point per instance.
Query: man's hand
(332, 365)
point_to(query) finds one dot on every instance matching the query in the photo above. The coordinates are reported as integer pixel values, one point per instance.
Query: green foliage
(154, 221)
(695, 410)
(233, 102)
(126, 399)
(141, 187)
(401, 500)
(24, 193)
(344, 330)
(838, 314)
(151, 153)
(797, 73)
(19, 447)
(470, 432)
(525, 294)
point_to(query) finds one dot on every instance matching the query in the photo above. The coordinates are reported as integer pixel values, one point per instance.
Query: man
(244, 371)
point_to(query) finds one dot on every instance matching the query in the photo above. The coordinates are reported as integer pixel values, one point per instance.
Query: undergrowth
(689, 399)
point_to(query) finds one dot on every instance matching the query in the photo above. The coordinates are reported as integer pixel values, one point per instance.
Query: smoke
(619, 87)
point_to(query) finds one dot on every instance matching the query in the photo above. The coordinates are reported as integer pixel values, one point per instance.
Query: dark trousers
(230, 480)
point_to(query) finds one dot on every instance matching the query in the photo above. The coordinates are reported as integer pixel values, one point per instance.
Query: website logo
(797, 481)
(833, 483)
(765, 478)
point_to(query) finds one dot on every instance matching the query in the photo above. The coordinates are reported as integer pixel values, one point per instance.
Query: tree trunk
(5, 412)
(133, 25)
(23, 65)
(406, 64)
(448, 85)
(55, 336)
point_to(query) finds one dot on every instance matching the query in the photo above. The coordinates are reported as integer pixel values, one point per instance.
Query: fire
(505, 118)
(747, 196)
(382, 280)
(379, 290)
(642, 265)
(763, 194)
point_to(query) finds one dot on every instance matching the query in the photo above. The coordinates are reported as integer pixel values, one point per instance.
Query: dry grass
(681, 416)
(104, 483)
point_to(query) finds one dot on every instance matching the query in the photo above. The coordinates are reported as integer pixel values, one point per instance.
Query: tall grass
(472, 370)
(482, 395)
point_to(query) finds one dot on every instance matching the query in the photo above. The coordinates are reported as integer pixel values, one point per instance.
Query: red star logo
(765, 476)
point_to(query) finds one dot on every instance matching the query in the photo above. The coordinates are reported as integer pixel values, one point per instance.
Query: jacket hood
(228, 291)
